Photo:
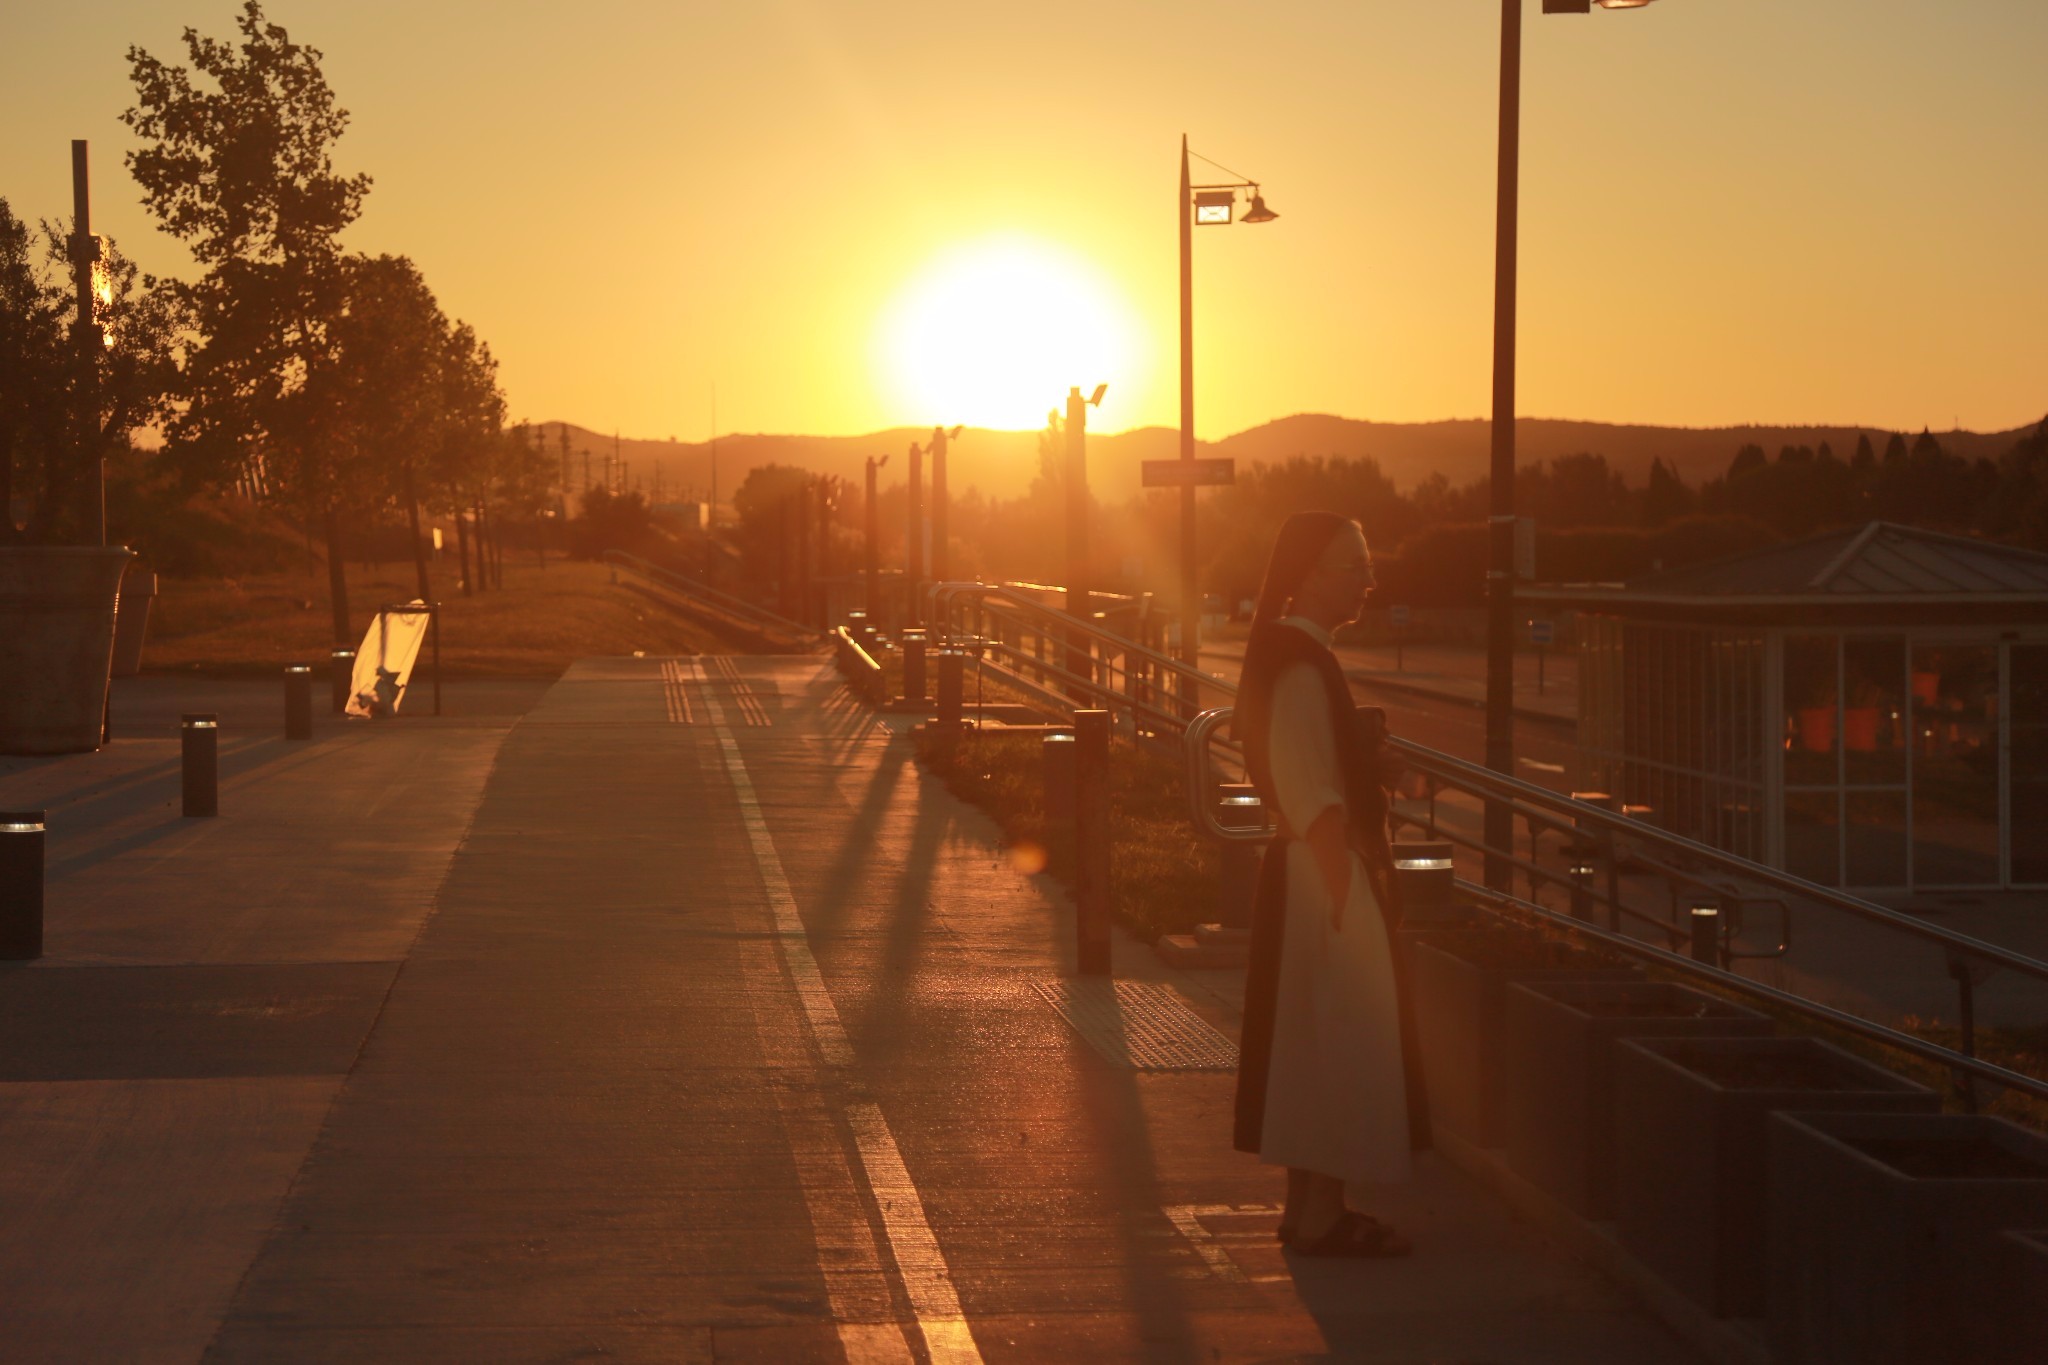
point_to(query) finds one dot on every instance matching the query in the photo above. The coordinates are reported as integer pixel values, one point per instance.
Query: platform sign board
(1400, 616)
(1542, 632)
(1190, 473)
(384, 664)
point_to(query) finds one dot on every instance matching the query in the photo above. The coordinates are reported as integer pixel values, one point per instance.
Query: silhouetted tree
(241, 170)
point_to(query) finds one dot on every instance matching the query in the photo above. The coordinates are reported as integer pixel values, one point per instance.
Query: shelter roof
(1881, 559)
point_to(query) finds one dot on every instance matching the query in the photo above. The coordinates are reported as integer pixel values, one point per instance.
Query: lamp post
(913, 552)
(86, 335)
(942, 562)
(1078, 588)
(1500, 571)
(874, 536)
(1209, 206)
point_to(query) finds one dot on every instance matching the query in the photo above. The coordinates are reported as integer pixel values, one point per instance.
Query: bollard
(1425, 873)
(1056, 766)
(21, 885)
(343, 662)
(1238, 807)
(199, 740)
(298, 701)
(1706, 933)
(952, 682)
(1581, 874)
(913, 665)
(1091, 841)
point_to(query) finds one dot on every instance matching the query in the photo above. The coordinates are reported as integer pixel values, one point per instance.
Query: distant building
(1865, 709)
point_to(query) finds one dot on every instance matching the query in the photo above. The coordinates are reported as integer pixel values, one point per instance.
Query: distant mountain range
(1001, 464)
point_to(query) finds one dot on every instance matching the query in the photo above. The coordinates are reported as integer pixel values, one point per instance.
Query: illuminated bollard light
(199, 743)
(913, 665)
(21, 885)
(1238, 806)
(1582, 875)
(298, 701)
(952, 685)
(1424, 871)
(343, 662)
(1706, 933)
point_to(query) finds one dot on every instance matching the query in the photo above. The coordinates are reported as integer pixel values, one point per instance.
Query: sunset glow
(994, 333)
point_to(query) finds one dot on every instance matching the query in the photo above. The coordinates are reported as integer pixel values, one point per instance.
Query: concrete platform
(669, 1013)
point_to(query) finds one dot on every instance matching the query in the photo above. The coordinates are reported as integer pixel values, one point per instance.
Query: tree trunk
(419, 546)
(337, 578)
(462, 549)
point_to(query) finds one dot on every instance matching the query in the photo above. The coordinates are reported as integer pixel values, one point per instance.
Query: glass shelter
(1865, 709)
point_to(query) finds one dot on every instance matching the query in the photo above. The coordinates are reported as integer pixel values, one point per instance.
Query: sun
(994, 333)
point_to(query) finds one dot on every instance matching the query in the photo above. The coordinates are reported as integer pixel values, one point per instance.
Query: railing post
(1091, 841)
(1582, 872)
(21, 885)
(298, 701)
(199, 752)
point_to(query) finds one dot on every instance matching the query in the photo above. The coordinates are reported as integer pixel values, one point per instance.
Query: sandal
(1359, 1236)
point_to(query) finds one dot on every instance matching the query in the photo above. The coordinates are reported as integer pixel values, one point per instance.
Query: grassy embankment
(541, 620)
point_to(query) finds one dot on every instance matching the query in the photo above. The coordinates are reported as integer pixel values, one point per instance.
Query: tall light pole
(942, 560)
(1500, 572)
(1078, 587)
(874, 556)
(913, 553)
(86, 335)
(1208, 205)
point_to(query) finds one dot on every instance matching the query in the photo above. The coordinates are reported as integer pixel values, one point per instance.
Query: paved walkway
(677, 1017)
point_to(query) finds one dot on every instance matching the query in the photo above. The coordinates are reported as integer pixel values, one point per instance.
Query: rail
(736, 610)
(1624, 879)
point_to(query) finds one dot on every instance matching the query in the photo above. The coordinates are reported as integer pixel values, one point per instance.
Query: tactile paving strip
(1139, 1024)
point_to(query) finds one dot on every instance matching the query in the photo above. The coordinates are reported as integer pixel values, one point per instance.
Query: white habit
(1336, 1098)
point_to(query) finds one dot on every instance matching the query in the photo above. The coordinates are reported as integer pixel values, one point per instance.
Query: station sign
(1542, 632)
(1190, 473)
(1400, 615)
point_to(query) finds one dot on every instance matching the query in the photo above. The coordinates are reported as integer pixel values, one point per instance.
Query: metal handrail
(1535, 804)
(748, 612)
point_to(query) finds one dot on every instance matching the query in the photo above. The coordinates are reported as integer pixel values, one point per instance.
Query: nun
(1328, 1083)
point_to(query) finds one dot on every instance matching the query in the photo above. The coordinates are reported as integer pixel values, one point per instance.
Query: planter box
(1558, 1079)
(2019, 1296)
(1883, 1242)
(56, 645)
(1691, 1185)
(1460, 982)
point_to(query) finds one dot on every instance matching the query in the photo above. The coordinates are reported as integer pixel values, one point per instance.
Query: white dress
(1336, 1096)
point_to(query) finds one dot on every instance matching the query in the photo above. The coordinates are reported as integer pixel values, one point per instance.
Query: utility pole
(586, 471)
(942, 559)
(1078, 590)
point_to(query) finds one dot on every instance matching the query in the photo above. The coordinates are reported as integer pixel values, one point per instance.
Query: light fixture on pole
(874, 556)
(942, 564)
(1205, 206)
(1078, 588)
(1500, 583)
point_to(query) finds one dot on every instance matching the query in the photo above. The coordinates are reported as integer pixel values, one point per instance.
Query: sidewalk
(1449, 672)
(679, 1018)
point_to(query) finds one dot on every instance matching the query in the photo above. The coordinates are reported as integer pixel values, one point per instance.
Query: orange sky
(1733, 210)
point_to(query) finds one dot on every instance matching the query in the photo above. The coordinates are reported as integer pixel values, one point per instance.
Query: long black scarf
(1272, 649)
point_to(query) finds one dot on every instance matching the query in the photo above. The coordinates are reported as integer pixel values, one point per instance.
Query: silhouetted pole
(85, 334)
(1077, 529)
(1190, 600)
(874, 555)
(1091, 842)
(913, 557)
(942, 558)
(1500, 582)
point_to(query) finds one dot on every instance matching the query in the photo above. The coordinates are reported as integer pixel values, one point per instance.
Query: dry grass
(1162, 874)
(541, 620)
